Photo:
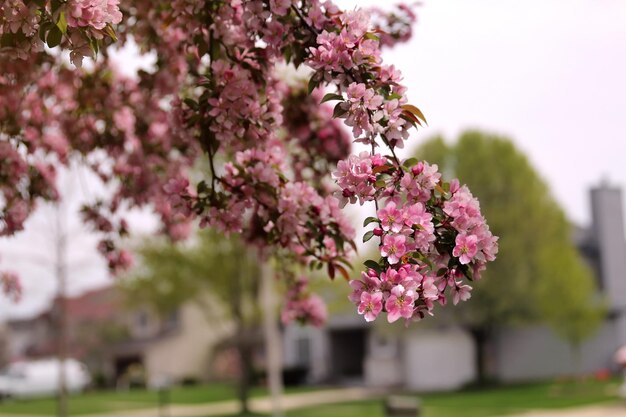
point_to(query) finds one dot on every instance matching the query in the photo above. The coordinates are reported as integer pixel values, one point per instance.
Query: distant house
(110, 337)
(30, 338)
(177, 347)
(435, 356)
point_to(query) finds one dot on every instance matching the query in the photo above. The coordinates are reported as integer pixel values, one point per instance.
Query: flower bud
(417, 169)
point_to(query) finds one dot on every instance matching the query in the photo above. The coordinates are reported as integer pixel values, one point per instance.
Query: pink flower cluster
(322, 141)
(17, 17)
(290, 214)
(408, 292)
(432, 236)
(355, 176)
(394, 27)
(79, 24)
(19, 24)
(349, 55)
(93, 13)
(431, 233)
(474, 244)
(302, 306)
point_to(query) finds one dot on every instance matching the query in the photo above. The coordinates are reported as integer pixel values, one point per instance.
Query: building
(441, 356)
(113, 337)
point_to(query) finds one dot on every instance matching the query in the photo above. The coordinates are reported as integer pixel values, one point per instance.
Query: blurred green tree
(539, 276)
(218, 274)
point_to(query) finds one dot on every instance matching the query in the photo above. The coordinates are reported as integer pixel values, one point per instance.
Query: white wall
(383, 367)
(438, 360)
(535, 352)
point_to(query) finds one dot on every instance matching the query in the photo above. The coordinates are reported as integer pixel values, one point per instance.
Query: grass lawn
(108, 401)
(470, 403)
(483, 403)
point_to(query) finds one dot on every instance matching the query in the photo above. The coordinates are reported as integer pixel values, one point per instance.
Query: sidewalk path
(259, 405)
(614, 410)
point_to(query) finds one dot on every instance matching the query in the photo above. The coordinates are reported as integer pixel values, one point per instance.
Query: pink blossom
(391, 219)
(430, 292)
(280, 7)
(399, 304)
(94, 13)
(354, 176)
(393, 248)
(369, 282)
(371, 304)
(461, 293)
(302, 306)
(124, 119)
(466, 247)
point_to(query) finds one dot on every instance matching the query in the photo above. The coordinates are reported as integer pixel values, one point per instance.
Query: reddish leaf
(343, 272)
(414, 110)
(381, 168)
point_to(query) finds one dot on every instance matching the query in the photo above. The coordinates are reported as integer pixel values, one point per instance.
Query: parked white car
(41, 378)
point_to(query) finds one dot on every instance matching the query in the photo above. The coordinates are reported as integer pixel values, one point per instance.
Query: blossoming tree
(216, 92)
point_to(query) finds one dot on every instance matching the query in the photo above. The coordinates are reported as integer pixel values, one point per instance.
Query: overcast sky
(548, 73)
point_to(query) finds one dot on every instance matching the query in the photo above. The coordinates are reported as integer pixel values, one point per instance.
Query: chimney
(608, 232)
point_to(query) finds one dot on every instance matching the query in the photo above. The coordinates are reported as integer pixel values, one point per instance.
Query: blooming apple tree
(217, 97)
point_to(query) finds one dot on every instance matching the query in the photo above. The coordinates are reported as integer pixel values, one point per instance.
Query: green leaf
(469, 273)
(93, 44)
(62, 23)
(410, 162)
(54, 37)
(332, 96)
(43, 30)
(55, 5)
(313, 83)
(111, 32)
(7, 40)
(202, 187)
(380, 183)
(370, 35)
(372, 264)
(339, 111)
(367, 236)
(191, 103)
(370, 220)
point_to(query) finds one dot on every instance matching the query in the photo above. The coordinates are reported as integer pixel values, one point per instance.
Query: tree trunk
(244, 347)
(272, 340)
(578, 361)
(61, 276)
(481, 336)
